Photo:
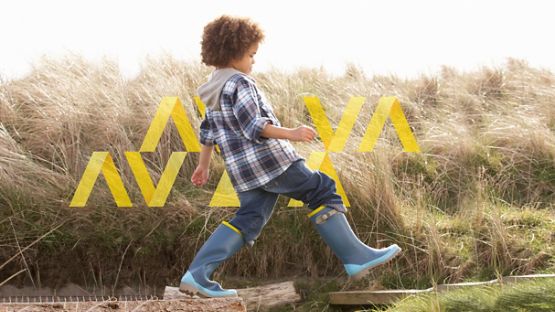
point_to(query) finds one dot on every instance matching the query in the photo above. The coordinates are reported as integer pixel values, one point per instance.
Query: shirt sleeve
(206, 134)
(247, 112)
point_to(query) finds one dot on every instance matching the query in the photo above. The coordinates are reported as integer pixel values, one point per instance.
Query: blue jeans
(313, 188)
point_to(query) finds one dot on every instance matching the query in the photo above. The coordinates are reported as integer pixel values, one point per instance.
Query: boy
(260, 162)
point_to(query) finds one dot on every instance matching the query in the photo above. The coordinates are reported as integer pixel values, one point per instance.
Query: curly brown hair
(227, 38)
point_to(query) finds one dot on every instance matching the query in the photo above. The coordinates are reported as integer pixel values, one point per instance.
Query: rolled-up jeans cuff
(339, 207)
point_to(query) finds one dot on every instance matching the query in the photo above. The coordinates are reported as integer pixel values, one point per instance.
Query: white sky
(405, 38)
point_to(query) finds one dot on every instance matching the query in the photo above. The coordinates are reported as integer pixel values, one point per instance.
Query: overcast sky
(405, 38)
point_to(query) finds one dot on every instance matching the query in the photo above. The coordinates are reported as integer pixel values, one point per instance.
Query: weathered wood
(269, 296)
(172, 293)
(366, 297)
(256, 298)
(184, 305)
(517, 278)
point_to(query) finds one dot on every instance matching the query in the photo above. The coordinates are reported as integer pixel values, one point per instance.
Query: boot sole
(193, 291)
(360, 275)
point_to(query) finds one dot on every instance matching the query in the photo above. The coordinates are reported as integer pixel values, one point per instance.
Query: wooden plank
(182, 305)
(517, 278)
(367, 297)
(256, 298)
(269, 296)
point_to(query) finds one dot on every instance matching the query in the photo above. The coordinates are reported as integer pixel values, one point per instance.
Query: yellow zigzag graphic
(225, 195)
(100, 161)
(334, 142)
(170, 107)
(389, 106)
(154, 196)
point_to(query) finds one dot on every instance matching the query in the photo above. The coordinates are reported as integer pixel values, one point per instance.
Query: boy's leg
(255, 211)
(357, 257)
(224, 242)
(257, 206)
(318, 191)
(313, 188)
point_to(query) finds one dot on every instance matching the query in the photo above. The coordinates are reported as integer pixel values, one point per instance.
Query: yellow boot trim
(315, 211)
(231, 227)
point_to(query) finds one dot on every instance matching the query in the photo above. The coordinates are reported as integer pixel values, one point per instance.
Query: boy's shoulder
(238, 78)
(223, 81)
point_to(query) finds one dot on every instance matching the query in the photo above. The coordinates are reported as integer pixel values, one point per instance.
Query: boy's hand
(200, 176)
(302, 133)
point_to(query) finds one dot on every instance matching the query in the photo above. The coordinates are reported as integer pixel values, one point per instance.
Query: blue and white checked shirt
(251, 160)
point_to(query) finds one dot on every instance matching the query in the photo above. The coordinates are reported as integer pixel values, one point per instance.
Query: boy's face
(244, 64)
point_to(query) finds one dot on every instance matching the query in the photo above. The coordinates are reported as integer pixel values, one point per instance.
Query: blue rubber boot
(357, 258)
(222, 244)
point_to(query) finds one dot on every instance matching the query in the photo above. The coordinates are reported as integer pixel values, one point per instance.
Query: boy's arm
(275, 132)
(205, 155)
(207, 143)
(255, 127)
(302, 133)
(200, 175)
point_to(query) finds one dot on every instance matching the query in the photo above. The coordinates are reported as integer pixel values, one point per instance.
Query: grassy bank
(531, 296)
(476, 203)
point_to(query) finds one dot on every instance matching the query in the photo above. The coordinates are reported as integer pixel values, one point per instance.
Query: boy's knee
(328, 194)
(330, 183)
(250, 228)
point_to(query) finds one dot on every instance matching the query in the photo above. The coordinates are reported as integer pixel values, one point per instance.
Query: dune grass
(476, 203)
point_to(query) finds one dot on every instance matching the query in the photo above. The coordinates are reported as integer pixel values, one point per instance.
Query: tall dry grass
(477, 202)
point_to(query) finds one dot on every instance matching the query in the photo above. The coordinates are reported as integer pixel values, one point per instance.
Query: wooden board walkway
(182, 305)
(367, 297)
(257, 298)
(250, 299)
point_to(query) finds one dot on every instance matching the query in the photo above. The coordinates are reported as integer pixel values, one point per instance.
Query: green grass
(532, 296)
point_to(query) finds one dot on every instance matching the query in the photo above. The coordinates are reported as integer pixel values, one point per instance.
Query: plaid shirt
(251, 160)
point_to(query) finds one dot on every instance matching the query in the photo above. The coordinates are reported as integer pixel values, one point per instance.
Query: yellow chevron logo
(225, 196)
(101, 162)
